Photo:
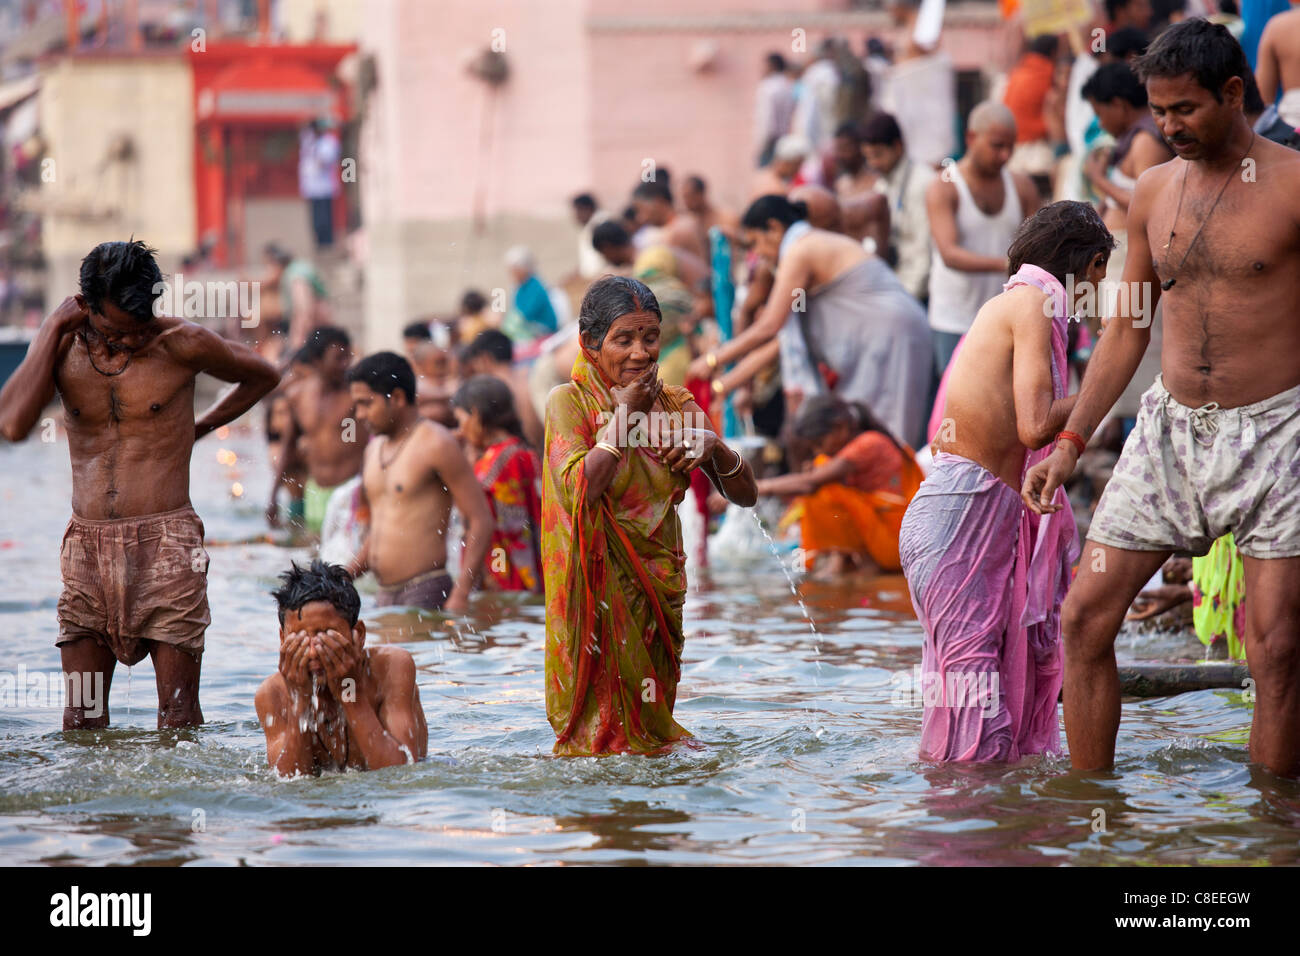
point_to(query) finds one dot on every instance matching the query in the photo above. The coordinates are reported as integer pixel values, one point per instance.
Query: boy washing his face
(334, 703)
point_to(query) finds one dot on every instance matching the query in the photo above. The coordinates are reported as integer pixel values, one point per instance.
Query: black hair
(697, 183)
(585, 200)
(1252, 103)
(610, 298)
(773, 206)
(472, 302)
(320, 582)
(1113, 7)
(1062, 239)
(417, 330)
(493, 400)
(384, 373)
(1115, 81)
(850, 129)
(1044, 45)
(882, 130)
(609, 233)
(775, 62)
(320, 340)
(819, 415)
(654, 189)
(1205, 50)
(493, 343)
(124, 274)
(273, 250)
(1127, 40)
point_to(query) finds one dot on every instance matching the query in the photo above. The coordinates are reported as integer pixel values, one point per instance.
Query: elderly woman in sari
(620, 447)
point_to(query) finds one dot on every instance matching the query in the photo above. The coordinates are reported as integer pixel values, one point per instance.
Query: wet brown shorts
(429, 591)
(127, 581)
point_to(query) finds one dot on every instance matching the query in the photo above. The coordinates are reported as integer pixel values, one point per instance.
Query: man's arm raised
(31, 387)
(205, 351)
(1115, 359)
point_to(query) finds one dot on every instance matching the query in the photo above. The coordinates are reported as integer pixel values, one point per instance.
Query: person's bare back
(999, 394)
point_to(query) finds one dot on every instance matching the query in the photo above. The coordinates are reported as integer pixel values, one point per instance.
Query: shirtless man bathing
(1216, 447)
(335, 703)
(322, 427)
(414, 472)
(134, 568)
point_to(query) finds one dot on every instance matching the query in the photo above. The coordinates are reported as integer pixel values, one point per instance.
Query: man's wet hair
(1252, 104)
(882, 130)
(773, 206)
(1206, 50)
(655, 189)
(609, 233)
(494, 402)
(124, 274)
(1127, 40)
(610, 298)
(417, 330)
(384, 373)
(490, 342)
(1115, 81)
(321, 339)
(320, 582)
(1062, 239)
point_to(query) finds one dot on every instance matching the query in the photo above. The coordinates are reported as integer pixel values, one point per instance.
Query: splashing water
(818, 729)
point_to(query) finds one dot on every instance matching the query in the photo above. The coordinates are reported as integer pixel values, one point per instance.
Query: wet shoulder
(272, 695)
(392, 666)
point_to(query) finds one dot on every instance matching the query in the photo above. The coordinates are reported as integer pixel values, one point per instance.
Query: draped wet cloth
(615, 576)
(862, 514)
(987, 577)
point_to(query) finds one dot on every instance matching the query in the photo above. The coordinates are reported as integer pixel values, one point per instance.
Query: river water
(807, 753)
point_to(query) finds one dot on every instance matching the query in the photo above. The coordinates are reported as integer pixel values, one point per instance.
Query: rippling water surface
(803, 756)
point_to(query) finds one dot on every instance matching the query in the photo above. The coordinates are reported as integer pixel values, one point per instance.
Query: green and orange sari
(615, 576)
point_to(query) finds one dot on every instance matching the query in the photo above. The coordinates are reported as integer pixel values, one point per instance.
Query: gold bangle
(711, 360)
(717, 387)
(740, 463)
(612, 449)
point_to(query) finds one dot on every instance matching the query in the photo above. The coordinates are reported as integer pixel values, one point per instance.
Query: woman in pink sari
(620, 447)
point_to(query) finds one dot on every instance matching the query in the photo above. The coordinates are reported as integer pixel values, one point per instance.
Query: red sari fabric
(510, 474)
(615, 577)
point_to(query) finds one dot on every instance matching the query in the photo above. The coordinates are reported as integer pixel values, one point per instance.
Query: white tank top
(955, 296)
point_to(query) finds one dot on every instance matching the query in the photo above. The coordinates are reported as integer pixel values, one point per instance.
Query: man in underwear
(413, 475)
(986, 575)
(335, 703)
(323, 427)
(1215, 445)
(975, 207)
(133, 564)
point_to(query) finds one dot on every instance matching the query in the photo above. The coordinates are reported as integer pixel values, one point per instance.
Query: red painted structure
(250, 101)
